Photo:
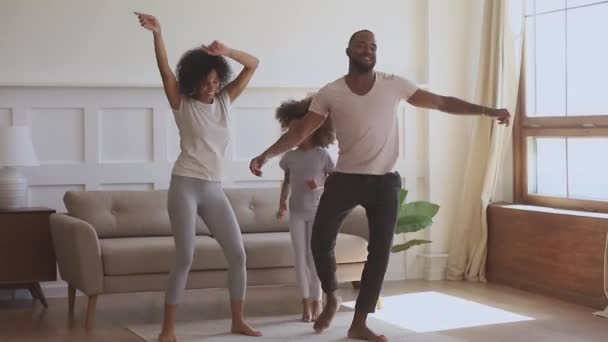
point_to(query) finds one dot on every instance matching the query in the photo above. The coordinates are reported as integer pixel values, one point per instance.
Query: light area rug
(276, 328)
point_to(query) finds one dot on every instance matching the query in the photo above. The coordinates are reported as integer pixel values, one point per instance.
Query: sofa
(121, 242)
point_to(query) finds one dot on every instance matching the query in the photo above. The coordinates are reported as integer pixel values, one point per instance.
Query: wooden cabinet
(557, 253)
(27, 256)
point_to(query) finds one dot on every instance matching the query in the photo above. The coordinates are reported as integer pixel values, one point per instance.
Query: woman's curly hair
(296, 109)
(195, 66)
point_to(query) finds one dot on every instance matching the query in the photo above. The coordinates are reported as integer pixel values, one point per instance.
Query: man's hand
(281, 211)
(216, 49)
(148, 21)
(502, 115)
(255, 166)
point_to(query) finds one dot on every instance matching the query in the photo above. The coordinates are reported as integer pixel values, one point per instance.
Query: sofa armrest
(78, 253)
(355, 223)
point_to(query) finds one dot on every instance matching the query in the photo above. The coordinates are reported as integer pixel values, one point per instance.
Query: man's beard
(361, 67)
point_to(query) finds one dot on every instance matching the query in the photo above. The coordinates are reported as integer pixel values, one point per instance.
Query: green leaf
(408, 245)
(402, 196)
(412, 223)
(419, 208)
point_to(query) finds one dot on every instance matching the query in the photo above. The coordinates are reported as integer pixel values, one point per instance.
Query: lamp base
(13, 189)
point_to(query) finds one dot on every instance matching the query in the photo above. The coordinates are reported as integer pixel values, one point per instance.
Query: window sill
(540, 209)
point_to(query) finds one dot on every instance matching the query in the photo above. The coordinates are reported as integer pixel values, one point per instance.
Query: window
(561, 139)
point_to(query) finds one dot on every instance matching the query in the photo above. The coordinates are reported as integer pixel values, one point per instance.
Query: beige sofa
(121, 242)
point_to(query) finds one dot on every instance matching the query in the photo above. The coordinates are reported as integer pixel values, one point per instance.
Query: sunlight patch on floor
(434, 311)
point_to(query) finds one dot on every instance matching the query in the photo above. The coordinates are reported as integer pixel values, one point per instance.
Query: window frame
(549, 126)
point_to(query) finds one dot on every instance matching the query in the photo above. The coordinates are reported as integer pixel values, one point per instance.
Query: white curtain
(500, 56)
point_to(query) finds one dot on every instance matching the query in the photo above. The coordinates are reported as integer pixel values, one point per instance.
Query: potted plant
(412, 217)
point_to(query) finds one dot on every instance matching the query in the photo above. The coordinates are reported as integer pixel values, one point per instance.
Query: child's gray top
(303, 166)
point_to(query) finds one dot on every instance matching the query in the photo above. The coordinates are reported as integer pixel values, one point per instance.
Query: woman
(200, 98)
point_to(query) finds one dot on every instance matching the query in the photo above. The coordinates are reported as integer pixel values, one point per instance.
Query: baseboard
(60, 289)
(434, 265)
(55, 289)
(18, 294)
(7, 295)
(49, 290)
(395, 275)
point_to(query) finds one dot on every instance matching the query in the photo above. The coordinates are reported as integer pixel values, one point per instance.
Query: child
(306, 169)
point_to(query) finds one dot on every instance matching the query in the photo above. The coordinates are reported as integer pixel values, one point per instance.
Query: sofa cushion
(276, 250)
(255, 209)
(145, 255)
(124, 213)
(142, 255)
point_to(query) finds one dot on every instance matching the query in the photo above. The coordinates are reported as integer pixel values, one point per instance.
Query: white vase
(13, 189)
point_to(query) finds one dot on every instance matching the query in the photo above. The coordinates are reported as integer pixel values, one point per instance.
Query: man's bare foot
(167, 336)
(329, 311)
(243, 328)
(317, 306)
(306, 310)
(365, 334)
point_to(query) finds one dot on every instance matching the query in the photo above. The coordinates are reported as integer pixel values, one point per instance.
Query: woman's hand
(148, 21)
(216, 49)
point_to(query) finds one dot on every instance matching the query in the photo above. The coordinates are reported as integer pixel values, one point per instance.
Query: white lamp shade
(16, 147)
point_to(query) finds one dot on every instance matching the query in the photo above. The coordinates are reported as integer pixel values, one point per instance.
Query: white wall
(82, 75)
(299, 43)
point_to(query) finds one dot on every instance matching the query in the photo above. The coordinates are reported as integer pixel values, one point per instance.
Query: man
(363, 107)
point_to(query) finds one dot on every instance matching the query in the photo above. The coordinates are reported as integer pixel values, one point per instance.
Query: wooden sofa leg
(356, 284)
(91, 311)
(71, 299)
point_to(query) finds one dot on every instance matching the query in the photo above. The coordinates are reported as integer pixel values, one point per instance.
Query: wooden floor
(554, 320)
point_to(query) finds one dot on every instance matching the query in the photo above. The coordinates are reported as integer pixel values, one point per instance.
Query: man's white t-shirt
(366, 125)
(204, 137)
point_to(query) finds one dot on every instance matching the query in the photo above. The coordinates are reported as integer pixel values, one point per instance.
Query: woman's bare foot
(167, 336)
(238, 323)
(365, 334)
(327, 315)
(317, 306)
(243, 328)
(306, 310)
(167, 333)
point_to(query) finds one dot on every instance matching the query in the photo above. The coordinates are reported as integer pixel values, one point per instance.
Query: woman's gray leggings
(187, 197)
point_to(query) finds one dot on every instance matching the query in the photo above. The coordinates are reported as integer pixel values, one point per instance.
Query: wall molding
(72, 152)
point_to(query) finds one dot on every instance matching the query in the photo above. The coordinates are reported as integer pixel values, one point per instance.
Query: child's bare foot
(306, 310)
(327, 315)
(243, 328)
(317, 306)
(365, 334)
(167, 336)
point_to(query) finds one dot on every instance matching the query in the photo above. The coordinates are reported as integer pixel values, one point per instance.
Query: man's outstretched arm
(453, 105)
(290, 139)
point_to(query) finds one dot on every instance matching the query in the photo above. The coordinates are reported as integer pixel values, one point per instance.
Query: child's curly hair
(296, 109)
